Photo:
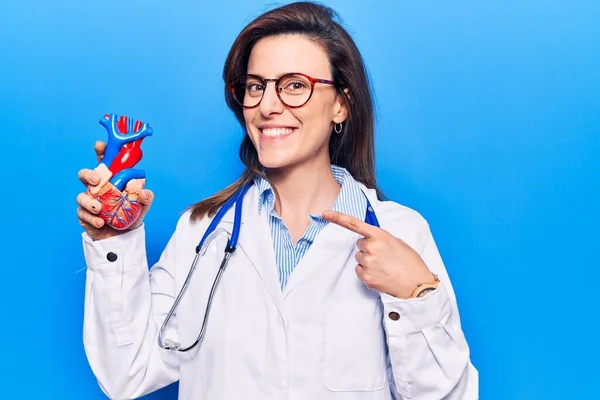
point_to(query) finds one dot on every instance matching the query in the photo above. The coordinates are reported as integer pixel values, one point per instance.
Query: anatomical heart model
(123, 151)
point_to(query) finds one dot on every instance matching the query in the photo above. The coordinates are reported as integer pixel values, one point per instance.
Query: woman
(315, 303)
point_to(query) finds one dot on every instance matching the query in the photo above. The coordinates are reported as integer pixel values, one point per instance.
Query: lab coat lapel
(256, 243)
(333, 241)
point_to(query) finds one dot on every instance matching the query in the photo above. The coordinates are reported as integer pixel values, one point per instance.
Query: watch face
(425, 291)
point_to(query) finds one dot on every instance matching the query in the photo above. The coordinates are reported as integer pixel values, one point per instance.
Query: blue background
(488, 123)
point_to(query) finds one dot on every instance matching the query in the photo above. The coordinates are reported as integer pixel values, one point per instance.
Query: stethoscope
(207, 238)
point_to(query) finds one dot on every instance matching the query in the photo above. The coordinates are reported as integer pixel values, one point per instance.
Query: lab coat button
(112, 257)
(394, 316)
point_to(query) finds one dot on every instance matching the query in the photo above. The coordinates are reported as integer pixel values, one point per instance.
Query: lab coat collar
(255, 241)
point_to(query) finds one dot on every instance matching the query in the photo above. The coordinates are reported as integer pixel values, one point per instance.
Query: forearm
(429, 354)
(120, 327)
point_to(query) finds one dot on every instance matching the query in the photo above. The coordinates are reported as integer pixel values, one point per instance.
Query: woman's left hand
(385, 263)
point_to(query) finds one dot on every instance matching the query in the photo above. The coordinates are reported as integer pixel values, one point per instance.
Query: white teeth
(276, 131)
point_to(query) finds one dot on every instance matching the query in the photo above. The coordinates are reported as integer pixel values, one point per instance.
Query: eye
(295, 85)
(254, 87)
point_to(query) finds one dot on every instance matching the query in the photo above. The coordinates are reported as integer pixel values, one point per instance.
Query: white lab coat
(324, 337)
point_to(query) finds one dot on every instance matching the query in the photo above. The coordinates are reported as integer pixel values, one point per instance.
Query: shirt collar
(266, 197)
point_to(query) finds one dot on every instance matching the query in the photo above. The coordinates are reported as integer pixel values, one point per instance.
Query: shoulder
(400, 220)
(187, 226)
(392, 212)
(395, 216)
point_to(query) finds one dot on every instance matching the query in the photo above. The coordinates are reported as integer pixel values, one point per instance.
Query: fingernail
(326, 214)
(93, 177)
(147, 196)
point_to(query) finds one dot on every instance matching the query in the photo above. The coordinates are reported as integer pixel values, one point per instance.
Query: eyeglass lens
(293, 90)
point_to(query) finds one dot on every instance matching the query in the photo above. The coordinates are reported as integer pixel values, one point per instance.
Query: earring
(335, 128)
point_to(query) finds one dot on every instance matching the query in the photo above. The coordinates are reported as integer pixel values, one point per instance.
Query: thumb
(146, 197)
(99, 148)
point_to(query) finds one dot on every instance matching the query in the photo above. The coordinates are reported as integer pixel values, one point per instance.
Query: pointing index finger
(351, 223)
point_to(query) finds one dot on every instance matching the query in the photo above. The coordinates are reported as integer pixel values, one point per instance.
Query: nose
(270, 103)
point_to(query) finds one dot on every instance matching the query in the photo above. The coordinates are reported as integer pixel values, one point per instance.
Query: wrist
(419, 287)
(425, 287)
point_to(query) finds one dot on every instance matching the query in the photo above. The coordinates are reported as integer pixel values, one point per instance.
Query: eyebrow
(276, 77)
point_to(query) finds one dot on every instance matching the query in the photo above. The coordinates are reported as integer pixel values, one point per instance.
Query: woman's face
(283, 136)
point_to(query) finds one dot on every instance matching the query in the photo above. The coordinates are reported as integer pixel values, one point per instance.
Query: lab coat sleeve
(428, 353)
(125, 305)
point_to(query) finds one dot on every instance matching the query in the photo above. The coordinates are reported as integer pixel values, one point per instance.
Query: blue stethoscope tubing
(236, 199)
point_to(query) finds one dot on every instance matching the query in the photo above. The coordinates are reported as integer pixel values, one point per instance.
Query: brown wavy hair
(353, 148)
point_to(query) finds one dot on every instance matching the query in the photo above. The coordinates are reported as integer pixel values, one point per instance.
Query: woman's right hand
(89, 207)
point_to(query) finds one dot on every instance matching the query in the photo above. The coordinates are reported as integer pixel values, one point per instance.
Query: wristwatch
(424, 288)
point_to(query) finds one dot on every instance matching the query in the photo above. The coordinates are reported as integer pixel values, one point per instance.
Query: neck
(304, 189)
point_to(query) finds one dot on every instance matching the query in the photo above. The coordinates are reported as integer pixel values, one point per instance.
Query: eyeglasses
(293, 89)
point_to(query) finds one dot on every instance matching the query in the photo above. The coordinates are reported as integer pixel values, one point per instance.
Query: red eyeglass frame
(312, 81)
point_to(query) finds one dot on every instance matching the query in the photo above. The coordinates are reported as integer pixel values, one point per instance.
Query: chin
(274, 162)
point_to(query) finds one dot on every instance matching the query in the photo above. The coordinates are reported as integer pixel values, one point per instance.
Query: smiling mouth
(269, 134)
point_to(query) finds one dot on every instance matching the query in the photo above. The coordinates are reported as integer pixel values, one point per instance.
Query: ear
(341, 108)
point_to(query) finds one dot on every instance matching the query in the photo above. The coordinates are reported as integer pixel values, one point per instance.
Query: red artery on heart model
(120, 209)
(131, 153)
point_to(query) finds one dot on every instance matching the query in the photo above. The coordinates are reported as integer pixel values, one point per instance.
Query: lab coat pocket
(354, 346)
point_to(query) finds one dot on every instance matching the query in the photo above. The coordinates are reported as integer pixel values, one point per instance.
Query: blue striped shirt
(350, 200)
